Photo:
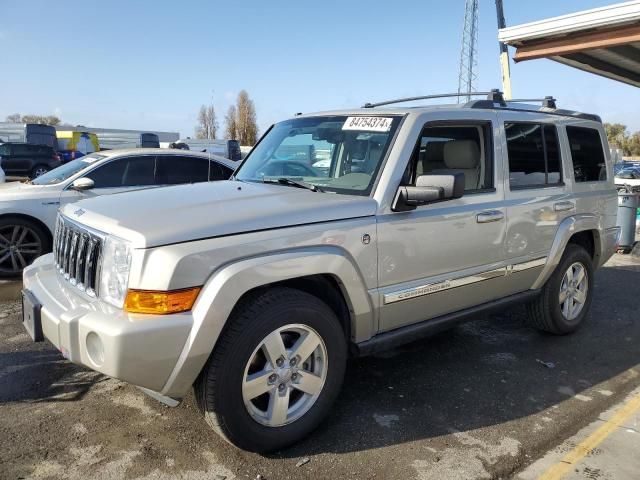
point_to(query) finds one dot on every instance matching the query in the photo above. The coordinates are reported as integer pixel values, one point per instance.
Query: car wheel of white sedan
(21, 242)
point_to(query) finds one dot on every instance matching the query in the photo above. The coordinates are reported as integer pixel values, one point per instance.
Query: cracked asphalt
(476, 402)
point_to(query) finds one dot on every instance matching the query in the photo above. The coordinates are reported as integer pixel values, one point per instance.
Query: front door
(446, 256)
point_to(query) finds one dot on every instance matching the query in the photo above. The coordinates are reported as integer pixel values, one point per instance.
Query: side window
(587, 154)
(176, 169)
(124, 172)
(21, 150)
(534, 155)
(5, 150)
(219, 172)
(455, 149)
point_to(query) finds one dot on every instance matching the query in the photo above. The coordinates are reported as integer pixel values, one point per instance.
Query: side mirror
(429, 189)
(81, 184)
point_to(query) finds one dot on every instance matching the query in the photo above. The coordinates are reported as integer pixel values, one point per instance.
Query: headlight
(114, 276)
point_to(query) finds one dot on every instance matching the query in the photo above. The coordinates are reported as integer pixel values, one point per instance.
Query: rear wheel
(566, 297)
(21, 242)
(275, 371)
(39, 170)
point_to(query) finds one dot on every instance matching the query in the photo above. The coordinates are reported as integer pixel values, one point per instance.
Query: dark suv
(27, 159)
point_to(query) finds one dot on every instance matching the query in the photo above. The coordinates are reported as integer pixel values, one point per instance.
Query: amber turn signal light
(159, 302)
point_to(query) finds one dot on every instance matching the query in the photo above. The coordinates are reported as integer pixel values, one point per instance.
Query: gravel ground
(474, 402)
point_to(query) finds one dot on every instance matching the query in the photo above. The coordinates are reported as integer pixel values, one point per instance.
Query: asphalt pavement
(484, 400)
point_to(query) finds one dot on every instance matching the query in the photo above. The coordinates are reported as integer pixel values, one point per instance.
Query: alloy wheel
(285, 375)
(573, 290)
(39, 171)
(19, 246)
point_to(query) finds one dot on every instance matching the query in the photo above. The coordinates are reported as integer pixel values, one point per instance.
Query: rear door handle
(489, 216)
(563, 206)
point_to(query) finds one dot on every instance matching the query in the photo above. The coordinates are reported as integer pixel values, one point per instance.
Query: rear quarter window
(587, 154)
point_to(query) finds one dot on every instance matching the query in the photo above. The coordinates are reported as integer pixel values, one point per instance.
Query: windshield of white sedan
(67, 170)
(341, 154)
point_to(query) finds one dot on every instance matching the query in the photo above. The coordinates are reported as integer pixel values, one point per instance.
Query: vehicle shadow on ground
(43, 375)
(481, 373)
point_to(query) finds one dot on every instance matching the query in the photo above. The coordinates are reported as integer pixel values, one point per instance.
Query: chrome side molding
(430, 288)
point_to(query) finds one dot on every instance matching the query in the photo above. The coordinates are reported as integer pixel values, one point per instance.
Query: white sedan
(28, 210)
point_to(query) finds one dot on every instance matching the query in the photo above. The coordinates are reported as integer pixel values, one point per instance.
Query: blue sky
(151, 64)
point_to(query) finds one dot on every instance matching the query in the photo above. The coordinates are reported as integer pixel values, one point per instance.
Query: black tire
(38, 170)
(35, 234)
(218, 390)
(544, 312)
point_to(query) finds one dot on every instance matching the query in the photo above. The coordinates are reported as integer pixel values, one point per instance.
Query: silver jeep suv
(341, 234)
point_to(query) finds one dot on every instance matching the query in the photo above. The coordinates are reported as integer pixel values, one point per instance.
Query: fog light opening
(95, 349)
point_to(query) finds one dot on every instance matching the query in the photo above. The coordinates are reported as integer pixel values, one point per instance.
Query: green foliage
(619, 137)
(41, 119)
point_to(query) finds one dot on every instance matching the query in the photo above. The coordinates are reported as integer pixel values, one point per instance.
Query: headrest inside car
(461, 154)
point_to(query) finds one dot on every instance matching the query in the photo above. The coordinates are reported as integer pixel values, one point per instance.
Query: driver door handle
(489, 216)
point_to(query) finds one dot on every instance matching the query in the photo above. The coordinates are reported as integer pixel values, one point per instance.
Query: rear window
(5, 150)
(534, 155)
(587, 154)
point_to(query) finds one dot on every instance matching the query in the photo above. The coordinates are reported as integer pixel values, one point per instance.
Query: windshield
(67, 170)
(336, 153)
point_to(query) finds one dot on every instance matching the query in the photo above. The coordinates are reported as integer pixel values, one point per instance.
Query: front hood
(161, 216)
(17, 191)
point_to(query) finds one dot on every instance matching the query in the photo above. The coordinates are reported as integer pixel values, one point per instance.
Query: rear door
(21, 159)
(536, 193)
(179, 169)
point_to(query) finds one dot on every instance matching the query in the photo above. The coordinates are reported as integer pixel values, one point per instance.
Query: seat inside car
(462, 156)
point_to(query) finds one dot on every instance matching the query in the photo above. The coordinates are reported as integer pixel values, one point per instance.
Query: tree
(246, 124)
(231, 123)
(633, 145)
(207, 123)
(41, 119)
(616, 134)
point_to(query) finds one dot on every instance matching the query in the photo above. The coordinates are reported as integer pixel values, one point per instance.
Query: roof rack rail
(547, 102)
(494, 95)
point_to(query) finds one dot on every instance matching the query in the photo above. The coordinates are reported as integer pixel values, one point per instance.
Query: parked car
(28, 210)
(628, 176)
(255, 291)
(25, 159)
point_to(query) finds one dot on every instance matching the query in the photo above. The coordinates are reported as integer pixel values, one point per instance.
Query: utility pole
(504, 54)
(468, 54)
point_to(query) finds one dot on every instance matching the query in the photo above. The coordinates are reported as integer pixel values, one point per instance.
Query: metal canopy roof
(604, 41)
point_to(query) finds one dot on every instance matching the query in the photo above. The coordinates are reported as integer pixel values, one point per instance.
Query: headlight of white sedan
(114, 276)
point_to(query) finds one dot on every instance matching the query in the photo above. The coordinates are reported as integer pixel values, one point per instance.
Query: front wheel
(39, 170)
(566, 298)
(275, 371)
(21, 242)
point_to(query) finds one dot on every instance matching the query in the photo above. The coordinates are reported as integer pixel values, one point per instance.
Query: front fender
(567, 228)
(226, 286)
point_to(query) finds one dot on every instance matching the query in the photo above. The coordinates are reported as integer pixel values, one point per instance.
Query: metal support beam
(578, 43)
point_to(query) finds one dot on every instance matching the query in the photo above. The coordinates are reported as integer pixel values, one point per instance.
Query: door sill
(417, 331)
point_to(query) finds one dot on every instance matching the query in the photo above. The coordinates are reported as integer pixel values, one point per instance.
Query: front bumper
(138, 349)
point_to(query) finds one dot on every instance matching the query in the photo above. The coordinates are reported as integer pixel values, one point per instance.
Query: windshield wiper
(293, 183)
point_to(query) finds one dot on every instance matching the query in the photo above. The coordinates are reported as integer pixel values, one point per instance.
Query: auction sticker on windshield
(368, 124)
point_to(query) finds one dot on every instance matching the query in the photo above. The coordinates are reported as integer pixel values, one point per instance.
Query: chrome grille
(76, 252)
